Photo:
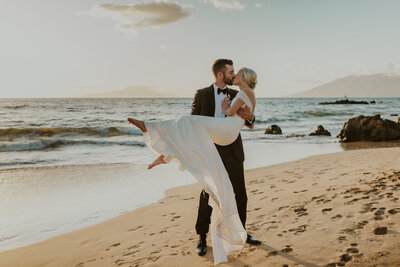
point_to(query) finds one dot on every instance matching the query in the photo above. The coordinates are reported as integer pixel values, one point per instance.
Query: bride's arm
(228, 110)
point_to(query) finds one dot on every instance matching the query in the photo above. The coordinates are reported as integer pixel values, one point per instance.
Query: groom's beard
(228, 81)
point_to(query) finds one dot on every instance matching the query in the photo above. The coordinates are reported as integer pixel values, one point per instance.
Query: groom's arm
(196, 107)
(249, 117)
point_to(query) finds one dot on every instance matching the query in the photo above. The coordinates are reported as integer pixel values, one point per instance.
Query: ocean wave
(322, 113)
(12, 133)
(19, 162)
(275, 120)
(52, 144)
(15, 107)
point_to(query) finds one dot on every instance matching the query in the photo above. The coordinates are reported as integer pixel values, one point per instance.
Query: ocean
(66, 164)
(53, 132)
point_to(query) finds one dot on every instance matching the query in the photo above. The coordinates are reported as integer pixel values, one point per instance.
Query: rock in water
(321, 131)
(370, 128)
(273, 129)
(345, 102)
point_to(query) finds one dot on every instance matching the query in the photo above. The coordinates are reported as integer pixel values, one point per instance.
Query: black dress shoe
(201, 247)
(252, 240)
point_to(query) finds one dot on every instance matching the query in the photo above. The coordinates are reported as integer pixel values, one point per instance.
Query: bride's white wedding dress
(190, 140)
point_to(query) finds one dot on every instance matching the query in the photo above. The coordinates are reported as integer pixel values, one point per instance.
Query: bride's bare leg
(138, 123)
(158, 161)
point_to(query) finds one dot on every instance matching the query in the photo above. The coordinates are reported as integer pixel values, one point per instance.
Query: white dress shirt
(218, 99)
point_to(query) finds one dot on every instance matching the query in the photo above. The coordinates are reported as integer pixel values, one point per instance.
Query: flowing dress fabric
(190, 140)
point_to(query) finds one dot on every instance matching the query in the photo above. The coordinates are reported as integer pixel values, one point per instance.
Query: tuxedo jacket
(204, 104)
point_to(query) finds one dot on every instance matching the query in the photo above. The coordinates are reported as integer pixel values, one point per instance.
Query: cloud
(129, 18)
(225, 4)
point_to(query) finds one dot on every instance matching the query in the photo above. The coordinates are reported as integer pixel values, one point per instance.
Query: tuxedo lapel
(212, 100)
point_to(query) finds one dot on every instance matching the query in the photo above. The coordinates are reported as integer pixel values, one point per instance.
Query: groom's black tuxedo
(232, 156)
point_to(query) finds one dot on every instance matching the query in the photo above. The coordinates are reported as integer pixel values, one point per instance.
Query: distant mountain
(375, 85)
(130, 92)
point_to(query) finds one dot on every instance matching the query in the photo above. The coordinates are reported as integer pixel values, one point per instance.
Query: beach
(316, 211)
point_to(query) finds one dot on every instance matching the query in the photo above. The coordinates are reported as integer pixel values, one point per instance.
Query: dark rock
(354, 244)
(333, 264)
(394, 115)
(372, 102)
(321, 131)
(341, 263)
(398, 120)
(382, 230)
(345, 102)
(273, 129)
(370, 128)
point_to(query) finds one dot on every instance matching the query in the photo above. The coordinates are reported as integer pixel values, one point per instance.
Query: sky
(65, 48)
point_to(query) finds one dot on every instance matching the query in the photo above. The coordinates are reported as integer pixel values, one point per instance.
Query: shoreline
(108, 243)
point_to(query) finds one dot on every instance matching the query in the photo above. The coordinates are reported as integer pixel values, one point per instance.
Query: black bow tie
(224, 91)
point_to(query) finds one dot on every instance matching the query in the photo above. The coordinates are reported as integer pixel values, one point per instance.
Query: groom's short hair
(220, 65)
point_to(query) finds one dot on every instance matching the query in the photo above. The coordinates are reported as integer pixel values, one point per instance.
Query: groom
(207, 102)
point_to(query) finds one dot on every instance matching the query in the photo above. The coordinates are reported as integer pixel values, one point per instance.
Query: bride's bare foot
(138, 123)
(158, 161)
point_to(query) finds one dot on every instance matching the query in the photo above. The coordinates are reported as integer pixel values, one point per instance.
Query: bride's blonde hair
(250, 77)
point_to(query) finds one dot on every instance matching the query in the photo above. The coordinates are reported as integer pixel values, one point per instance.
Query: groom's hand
(245, 113)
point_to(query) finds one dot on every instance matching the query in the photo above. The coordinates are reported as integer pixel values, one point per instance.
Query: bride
(191, 141)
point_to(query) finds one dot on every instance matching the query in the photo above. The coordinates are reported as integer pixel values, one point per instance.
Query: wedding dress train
(190, 140)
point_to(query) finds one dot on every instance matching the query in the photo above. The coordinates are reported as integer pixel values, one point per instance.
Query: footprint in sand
(287, 249)
(134, 246)
(326, 210)
(283, 207)
(273, 253)
(300, 210)
(360, 225)
(394, 211)
(174, 218)
(337, 216)
(299, 229)
(136, 228)
(131, 253)
(305, 190)
(352, 250)
(113, 245)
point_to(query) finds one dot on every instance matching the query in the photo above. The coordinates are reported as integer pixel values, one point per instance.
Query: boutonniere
(230, 96)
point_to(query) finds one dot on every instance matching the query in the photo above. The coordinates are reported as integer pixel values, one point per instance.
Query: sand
(313, 212)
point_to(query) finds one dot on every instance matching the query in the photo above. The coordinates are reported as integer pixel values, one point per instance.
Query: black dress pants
(235, 170)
